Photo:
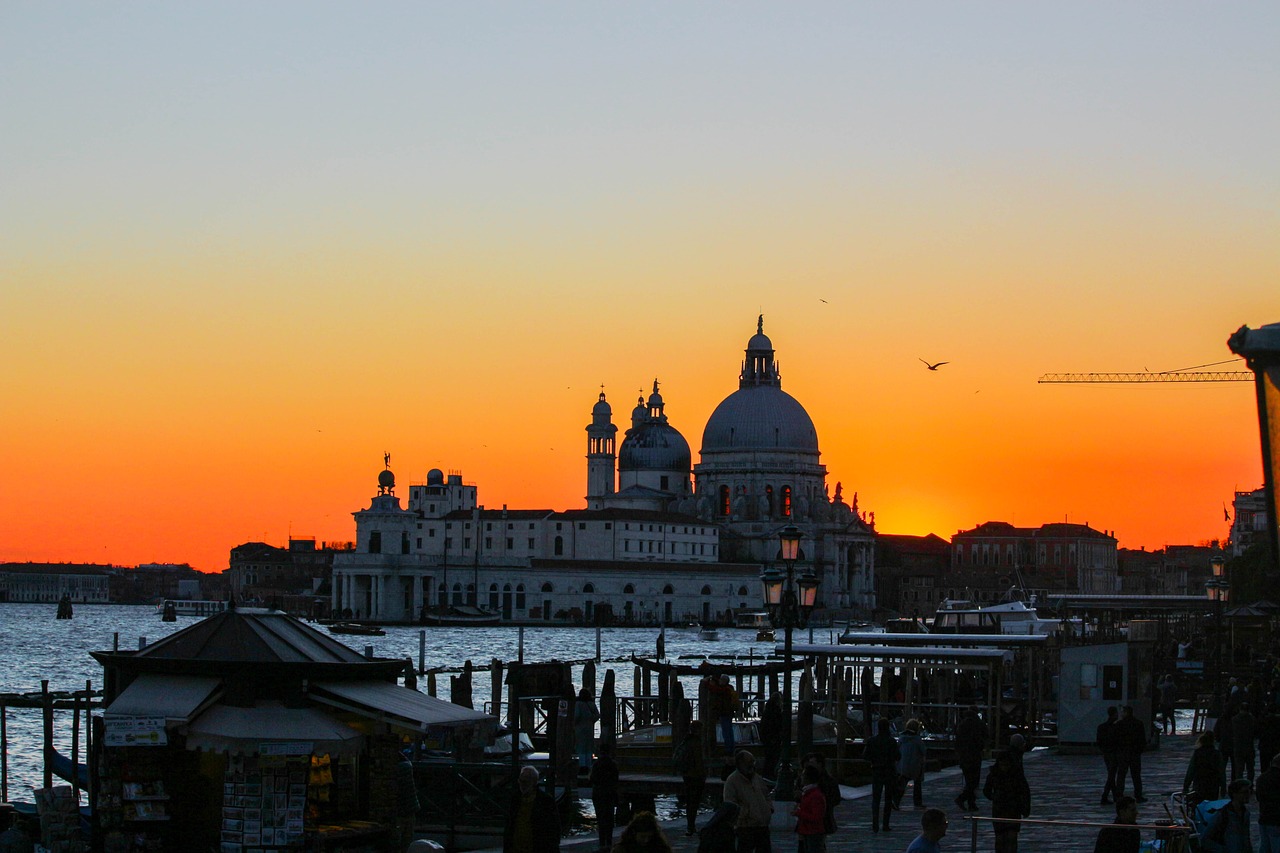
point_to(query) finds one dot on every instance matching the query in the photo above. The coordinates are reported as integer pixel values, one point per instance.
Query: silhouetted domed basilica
(661, 540)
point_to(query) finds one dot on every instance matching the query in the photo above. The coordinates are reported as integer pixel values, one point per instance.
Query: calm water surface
(34, 646)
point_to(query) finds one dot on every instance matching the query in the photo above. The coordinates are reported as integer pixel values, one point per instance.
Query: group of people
(1121, 738)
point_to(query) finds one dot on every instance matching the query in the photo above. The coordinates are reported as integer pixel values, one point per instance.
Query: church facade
(660, 541)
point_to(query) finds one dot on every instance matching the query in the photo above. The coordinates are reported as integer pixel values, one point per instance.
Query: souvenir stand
(221, 737)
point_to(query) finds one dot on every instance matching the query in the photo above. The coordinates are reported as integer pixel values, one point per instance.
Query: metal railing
(1173, 834)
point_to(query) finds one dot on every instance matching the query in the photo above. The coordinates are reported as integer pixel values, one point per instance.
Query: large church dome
(760, 415)
(760, 418)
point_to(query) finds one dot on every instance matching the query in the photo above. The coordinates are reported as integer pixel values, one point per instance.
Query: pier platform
(1063, 787)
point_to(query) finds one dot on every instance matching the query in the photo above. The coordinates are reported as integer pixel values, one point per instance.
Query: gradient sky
(245, 248)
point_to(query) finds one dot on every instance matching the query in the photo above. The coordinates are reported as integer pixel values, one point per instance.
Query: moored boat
(356, 628)
(460, 615)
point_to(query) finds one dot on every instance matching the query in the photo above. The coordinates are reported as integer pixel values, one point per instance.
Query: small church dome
(435, 477)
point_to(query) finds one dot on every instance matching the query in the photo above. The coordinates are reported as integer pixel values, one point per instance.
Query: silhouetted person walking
(882, 751)
(1010, 797)
(1267, 789)
(1206, 777)
(1244, 730)
(1131, 735)
(1109, 746)
(971, 741)
(603, 779)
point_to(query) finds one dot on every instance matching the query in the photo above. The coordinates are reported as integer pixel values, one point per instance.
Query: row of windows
(587, 589)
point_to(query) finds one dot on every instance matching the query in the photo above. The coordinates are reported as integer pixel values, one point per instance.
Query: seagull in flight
(933, 366)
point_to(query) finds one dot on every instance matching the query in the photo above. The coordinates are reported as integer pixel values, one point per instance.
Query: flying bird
(820, 299)
(933, 366)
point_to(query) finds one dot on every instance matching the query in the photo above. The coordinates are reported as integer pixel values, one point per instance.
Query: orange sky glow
(236, 268)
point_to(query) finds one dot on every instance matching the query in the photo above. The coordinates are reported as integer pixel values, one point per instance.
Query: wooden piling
(46, 710)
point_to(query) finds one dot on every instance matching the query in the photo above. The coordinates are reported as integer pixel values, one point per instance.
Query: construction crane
(1190, 374)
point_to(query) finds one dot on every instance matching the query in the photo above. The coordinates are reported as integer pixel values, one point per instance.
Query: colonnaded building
(661, 540)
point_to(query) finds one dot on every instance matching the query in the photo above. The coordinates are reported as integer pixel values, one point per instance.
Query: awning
(396, 705)
(271, 728)
(174, 697)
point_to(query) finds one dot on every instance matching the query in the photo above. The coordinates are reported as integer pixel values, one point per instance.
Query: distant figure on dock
(604, 794)
(1110, 749)
(533, 825)
(1131, 737)
(585, 714)
(1010, 797)
(971, 742)
(691, 767)
(911, 764)
(1244, 731)
(883, 754)
(1168, 694)
(724, 701)
(1206, 777)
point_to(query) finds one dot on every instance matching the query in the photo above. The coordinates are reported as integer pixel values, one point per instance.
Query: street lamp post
(789, 600)
(1218, 589)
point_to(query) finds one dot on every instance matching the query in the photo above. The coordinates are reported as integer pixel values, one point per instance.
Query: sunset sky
(247, 248)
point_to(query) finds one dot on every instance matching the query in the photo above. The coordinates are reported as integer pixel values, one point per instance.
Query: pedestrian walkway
(1063, 787)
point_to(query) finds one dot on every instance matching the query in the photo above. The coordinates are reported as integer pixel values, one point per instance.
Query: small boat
(459, 615)
(171, 608)
(708, 632)
(854, 629)
(1009, 617)
(766, 635)
(357, 629)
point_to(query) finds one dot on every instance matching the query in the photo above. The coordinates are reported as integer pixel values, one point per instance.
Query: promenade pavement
(1063, 787)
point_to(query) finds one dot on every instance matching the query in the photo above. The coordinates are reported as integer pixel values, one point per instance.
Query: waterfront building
(1249, 520)
(1057, 557)
(293, 577)
(660, 541)
(49, 582)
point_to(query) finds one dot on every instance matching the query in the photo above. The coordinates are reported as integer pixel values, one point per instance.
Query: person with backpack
(911, 764)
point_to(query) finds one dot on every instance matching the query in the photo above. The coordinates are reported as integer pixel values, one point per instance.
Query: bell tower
(601, 453)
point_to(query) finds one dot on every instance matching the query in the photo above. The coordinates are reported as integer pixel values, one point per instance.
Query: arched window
(559, 546)
(375, 542)
(493, 596)
(786, 502)
(768, 497)
(546, 587)
(629, 589)
(457, 593)
(588, 588)
(520, 596)
(706, 590)
(742, 590)
(667, 590)
(723, 507)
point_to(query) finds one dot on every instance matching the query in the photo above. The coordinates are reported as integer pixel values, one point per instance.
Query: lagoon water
(35, 646)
